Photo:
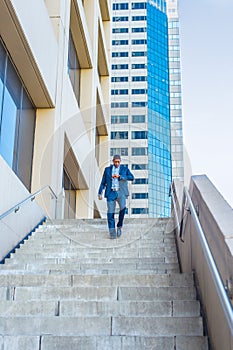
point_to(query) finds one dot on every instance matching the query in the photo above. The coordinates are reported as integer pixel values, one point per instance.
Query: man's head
(116, 160)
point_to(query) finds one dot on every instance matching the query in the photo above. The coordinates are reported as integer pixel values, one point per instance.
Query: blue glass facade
(159, 140)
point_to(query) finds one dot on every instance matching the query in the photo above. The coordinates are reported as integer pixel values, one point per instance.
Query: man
(115, 182)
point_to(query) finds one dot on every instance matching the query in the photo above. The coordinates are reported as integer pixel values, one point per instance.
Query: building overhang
(80, 35)
(28, 49)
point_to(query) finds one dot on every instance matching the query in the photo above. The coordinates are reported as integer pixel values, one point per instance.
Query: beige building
(54, 98)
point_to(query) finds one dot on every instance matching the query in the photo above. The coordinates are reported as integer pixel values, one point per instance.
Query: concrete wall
(16, 226)
(216, 218)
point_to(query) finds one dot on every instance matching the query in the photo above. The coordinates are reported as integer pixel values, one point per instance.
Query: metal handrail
(31, 198)
(223, 297)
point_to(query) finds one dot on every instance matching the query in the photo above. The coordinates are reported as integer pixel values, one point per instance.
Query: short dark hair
(116, 156)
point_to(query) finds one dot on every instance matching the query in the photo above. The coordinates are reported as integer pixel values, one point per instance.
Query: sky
(206, 28)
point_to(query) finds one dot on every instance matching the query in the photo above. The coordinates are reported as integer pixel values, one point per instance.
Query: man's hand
(115, 176)
(100, 197)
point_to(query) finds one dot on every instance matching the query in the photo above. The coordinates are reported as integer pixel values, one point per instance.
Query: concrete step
(124, 343)
(157, 244)
(121, 244)
(96, 261)
(50, 342)
(133, 280)
(75, 308)
(95, 268)
(94, 258)
(60, 269)
(144, 227)
(101, 229)
(190, 308)
(106, 244)
(14, 308)
(160, 326)
(98, 325)
(76, 252)
(171, 258)
(98, 293)
(88, 225)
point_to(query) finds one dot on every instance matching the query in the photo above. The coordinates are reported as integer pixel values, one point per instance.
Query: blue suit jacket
(106, 183)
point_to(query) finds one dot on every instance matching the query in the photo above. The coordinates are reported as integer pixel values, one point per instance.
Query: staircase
(70, 287)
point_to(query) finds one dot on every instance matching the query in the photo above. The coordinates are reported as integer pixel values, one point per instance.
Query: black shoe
(119, 232)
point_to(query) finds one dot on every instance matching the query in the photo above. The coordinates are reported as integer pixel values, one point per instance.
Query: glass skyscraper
(141, 103)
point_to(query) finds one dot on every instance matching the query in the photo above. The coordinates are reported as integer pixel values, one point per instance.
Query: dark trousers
(121, 200)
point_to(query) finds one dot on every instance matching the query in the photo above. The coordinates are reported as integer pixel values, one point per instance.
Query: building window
(173, 24)
(119, 119)
(139, 104)
(119, 92)
(175, 107)
(119, 105)
(139, 195)
(122, 151)
(175, 82)
(17, 120)
(140, 118)
(174, 59)
(175, 94)
(139, 166)
(120, 66)
(139, 53)
(139, 42)
(119, 79)
(138, 5)
(123, 6)
(139, 151)
(139, 210)
(139, 78)
(120, 54)
(135, 135)
(119, 135)
(138, 30)
(120, 30)
(174, 37)
(139, 91)
(120, 19)
(174, 48)
(120, 42)
(138, 66)
(140, 181)
(74, 69)
(138, 18)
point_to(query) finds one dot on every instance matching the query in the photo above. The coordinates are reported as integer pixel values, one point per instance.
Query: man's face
(116, 162)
